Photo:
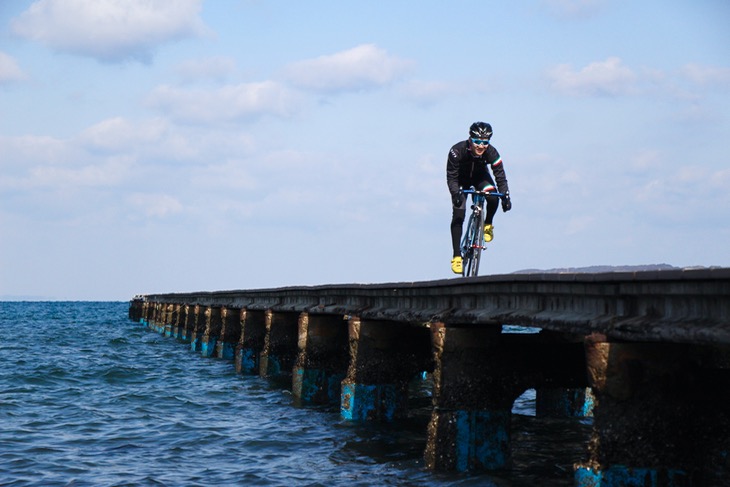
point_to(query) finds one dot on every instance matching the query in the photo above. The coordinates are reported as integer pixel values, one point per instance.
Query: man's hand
(457, 199)
(506, 202)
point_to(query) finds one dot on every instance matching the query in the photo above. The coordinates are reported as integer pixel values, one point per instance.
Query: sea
(91, 398)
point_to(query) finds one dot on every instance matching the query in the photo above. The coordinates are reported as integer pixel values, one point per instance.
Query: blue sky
(156, 146)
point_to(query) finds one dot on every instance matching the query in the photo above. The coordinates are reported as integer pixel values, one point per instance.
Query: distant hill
(601, 268)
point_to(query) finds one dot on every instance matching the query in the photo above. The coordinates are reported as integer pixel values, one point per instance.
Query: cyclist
(466, 167)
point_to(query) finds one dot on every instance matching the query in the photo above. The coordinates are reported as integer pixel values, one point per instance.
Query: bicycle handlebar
(485, 193)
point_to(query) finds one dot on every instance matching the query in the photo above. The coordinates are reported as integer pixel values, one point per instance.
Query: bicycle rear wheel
(472, 248)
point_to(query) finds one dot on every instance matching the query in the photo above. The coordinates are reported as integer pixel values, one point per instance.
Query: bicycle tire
(472, 245)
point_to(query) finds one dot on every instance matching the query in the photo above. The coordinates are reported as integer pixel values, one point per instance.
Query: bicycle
(472, 243)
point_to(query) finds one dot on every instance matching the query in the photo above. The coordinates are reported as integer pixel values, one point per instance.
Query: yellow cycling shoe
(488, 233)
(456, 265)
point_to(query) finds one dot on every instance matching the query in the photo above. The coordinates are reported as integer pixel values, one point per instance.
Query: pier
(646, 354)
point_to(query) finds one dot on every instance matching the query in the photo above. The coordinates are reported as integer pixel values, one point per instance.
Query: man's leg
(492, 205)
(457, 222)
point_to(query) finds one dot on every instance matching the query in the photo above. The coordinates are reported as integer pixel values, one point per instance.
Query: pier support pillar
(230, 333)
(169, 318)
(157, 321)
(280, 345)
(251, 341)
(198, 328)
(136, 309)
(144, 318)
(187, 322)
(656, 412)
(474, 389)
(212, 331)
(384, 358)
(177, 319)
(322, 359)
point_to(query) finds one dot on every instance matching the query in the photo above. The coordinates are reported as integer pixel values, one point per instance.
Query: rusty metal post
(322, 359)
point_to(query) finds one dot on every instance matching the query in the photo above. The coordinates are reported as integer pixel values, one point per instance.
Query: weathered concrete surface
(280, 344)
(251, 341)
(680, 306)
(653, 346)
(322, 360)
(660, 409)
(384, 358)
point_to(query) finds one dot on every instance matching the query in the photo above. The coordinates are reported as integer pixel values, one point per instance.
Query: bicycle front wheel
(473, 245)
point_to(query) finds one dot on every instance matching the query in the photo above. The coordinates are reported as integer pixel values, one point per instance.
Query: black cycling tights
(457, 221)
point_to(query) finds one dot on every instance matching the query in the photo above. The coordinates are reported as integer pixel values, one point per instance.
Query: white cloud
(707, 75)
(155, 205)
(217, 68)
(107, 173)
(109, 30)
(21, 151)
(228, 103)
(9, 69)
(119, 134)
(359, 68)
(604, 78)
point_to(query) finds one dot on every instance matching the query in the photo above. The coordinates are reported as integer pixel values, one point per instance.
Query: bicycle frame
(472, 243)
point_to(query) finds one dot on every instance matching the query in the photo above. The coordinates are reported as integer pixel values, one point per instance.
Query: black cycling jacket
(464, 169)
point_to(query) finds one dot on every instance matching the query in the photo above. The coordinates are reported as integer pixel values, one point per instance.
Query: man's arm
(452, 171)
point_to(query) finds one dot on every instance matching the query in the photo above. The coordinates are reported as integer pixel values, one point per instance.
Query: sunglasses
(480, 142)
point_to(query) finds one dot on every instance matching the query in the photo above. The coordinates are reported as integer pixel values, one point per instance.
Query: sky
(149, 146)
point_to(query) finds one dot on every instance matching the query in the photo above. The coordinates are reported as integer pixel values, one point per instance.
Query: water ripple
(88, 398)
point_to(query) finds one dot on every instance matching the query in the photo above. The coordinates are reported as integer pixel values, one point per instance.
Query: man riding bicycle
(467, 167)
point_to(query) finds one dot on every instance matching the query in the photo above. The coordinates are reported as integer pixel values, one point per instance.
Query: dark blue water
(88, 397)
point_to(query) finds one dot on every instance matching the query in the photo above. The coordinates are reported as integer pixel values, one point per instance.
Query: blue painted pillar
(280, 345)
(322, 359)
(251, 341)
(649, 428)
(230, 333)
(160, 317)
(198, 328)
(167, 313)
(384, 358)
(158, 325)
(564, 403)
(473, 395)
(155, 317)
(146, 313)
(177, 319)
(623, 476)
(187, 322)
(212, 332)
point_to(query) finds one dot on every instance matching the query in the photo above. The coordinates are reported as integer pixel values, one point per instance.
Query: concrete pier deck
(646, 353)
